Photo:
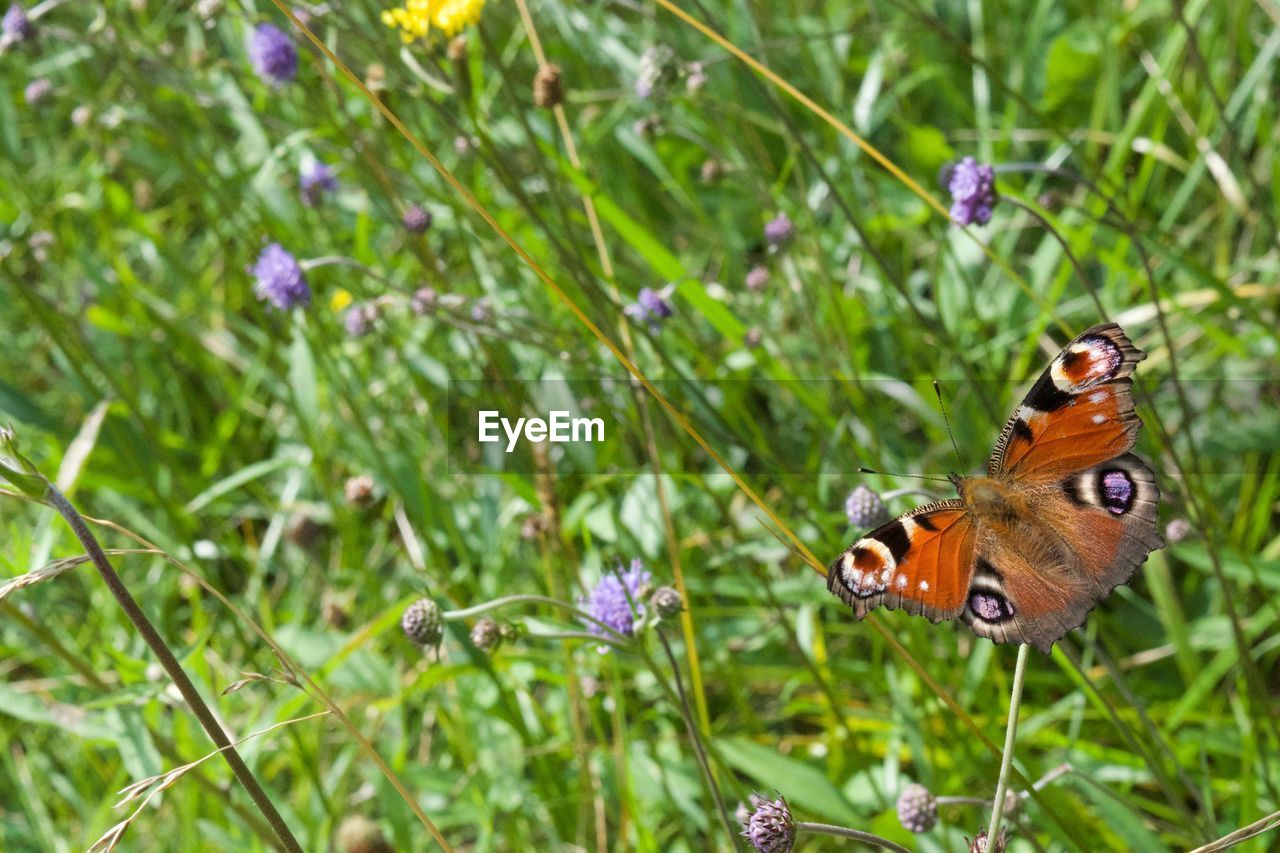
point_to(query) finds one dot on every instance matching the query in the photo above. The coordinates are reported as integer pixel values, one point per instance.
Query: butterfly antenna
(937, 389)
(862, 469)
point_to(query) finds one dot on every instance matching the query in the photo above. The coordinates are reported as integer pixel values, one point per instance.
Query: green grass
(184, 410)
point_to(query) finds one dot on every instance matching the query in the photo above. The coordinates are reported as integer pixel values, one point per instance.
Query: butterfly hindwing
(919, 562)
(1038, 580)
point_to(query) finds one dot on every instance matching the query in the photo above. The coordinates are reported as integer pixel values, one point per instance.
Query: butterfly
(1064, 515)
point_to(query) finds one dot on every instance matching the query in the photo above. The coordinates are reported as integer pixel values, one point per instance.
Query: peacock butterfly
(1064, 515)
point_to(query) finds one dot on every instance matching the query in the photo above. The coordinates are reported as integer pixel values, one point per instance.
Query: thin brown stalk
(171, 666)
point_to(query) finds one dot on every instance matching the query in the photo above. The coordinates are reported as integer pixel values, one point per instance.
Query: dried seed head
(548, 89)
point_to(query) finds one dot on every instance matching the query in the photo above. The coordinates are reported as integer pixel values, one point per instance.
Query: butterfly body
(1064, 514)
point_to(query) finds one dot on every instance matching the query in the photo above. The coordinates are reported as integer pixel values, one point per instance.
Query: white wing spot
(924, 586)
(1098, 396)
(1097, 419)
(902, 581)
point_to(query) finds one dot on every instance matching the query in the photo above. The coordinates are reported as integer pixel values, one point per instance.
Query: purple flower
(650, 306)
(770, 828)
(359, 319)
(917, 808)
(757, 278)
(280, 279)
(779, 230)
(612, 599)
(15, 26)
(973, 192)
(416, 219)
(865, 509)
(38, 90)
(274, 57)
(315, 179)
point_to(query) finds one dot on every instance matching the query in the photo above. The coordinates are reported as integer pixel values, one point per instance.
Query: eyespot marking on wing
(1085, 363)
(1116, 491)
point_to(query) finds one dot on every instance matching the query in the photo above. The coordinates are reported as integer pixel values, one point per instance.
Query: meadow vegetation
(258, 283)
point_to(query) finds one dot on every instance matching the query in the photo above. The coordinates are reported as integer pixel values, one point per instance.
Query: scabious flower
(973, 192)
(757, 278)
(769, 827)
(424, 301)
(280, 279)
(273, 55)
(358, 490)
(658, 72)
(666, 602)
(980, 845)
(15, 26)
(416, 219)
(650, 306)
(780, 230)
(421, 622)
(697, 77)
(917, 808)
(315, 179)
(1177, 530)
(416, 18)
(359, 319)
(485, 635)
(615, 601)
(865, 509)
(38, 90)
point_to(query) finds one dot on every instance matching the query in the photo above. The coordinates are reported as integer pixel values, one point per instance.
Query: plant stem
(846, 832)
(695, 735)
(1010, 734)
(171, 665)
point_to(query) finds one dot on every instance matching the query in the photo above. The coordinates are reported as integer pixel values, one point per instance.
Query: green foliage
(144, 376)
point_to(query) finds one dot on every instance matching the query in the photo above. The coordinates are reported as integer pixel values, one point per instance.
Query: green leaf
(804, 786)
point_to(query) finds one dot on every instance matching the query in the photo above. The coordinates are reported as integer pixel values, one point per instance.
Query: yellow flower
(416, 18)
(340, 299)
(453, 15)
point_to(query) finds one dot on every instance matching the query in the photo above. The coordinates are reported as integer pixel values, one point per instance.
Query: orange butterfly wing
(1078, 414)
(919, 562)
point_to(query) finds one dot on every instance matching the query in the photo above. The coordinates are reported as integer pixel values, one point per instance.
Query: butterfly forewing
(918, 562)
(1078, 413)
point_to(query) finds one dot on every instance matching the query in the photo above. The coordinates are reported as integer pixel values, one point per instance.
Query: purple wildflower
(612, 600)
(917, 808)
(779, 230)
(865, 509)
(425, 300)
(38, 90)
(757, 278)
(973, 192)
(650, 306)
(315, 179)
(15, 26)
(280, 279)
(274, 57)
(416, 219)
(359, 319)
(658, 71)
(770, 828)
